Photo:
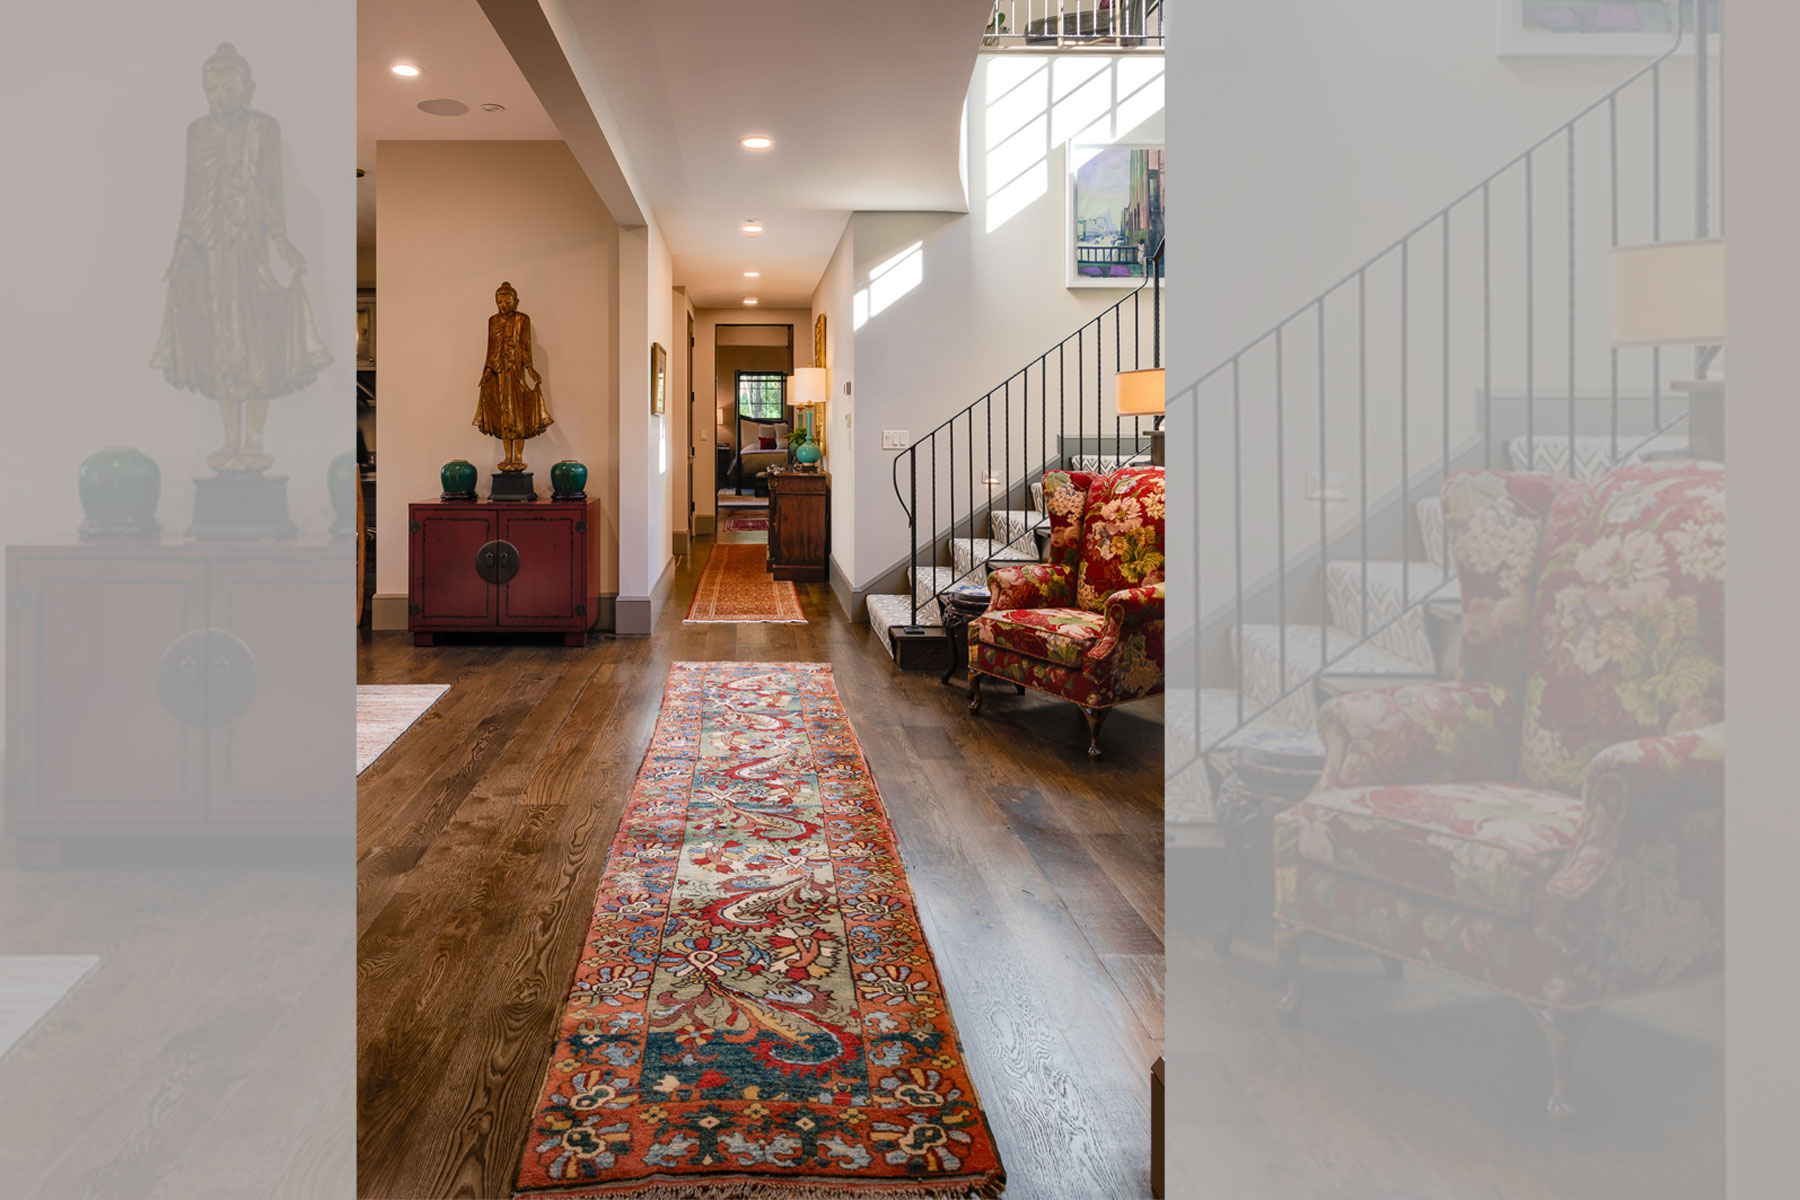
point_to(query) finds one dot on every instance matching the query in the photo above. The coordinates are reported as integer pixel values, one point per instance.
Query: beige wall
(455, 219)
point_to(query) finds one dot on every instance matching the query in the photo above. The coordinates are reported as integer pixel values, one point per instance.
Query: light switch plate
(895, 439)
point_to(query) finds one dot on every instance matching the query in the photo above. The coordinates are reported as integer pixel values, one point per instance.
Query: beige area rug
(33, 984)
(385, 711)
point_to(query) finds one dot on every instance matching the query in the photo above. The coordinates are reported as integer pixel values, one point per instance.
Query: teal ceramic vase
(342, 479)
(809, 454)
(119, 489)
(568, 480)
(459, 476)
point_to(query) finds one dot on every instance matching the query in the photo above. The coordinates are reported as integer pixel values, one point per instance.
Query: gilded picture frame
(659, 379)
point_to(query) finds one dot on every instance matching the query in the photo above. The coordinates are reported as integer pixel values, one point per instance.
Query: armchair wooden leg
(1562, 1031)
(1288, 940)
(975, 692)
(1096, 717)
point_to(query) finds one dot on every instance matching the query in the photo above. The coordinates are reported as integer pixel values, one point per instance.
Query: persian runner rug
(33, 984)
(736, 588)
(385, 711)
(756, 1013)
(751, 521)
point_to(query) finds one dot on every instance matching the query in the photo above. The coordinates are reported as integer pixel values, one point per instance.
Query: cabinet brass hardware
(207, 678)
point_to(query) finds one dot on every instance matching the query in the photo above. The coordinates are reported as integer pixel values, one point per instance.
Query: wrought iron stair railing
(1055, 412)
(1472, 295)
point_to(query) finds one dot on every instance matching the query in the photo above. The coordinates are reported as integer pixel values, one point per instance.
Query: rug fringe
(989, 1187)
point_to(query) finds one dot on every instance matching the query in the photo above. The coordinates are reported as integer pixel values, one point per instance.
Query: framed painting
(1114, 219)
(365, 329)
(1592, 28)
(659, 379)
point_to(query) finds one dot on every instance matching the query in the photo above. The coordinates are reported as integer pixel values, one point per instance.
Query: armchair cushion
(1058, 635)
(1495, 522)
(1065, 499)
(1034, 585)
(1629, 620)
(1422, 733)
(1122, 536)
(1488, 846)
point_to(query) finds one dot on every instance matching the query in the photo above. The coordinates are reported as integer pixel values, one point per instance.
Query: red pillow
(765, 443)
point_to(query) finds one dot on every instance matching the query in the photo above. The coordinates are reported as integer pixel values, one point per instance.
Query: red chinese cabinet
(483, 566)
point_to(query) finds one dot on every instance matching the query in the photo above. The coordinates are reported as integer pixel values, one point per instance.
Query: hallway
(482, 834)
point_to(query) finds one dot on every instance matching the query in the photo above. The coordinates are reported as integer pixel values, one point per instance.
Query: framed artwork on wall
(1592, 28)
(659, 379)
(1114, 218)
(365, 329)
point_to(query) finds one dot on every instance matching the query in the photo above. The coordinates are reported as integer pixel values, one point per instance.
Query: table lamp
(1140, 394)
(806, 391)
(1673, 294)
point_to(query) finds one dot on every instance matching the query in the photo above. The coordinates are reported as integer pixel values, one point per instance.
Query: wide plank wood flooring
(482, 834)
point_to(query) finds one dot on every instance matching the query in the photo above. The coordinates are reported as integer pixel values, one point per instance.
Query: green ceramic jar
(568, 480)
(119, 488)
(809, 453)
(459, 476)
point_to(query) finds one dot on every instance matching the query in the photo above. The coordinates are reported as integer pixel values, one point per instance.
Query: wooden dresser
(484, 566)
(800, 525)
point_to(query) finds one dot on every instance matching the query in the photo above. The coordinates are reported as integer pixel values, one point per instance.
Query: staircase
(1402, 373)
(971, 490)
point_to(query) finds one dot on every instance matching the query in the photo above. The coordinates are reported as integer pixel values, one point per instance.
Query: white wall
(990, 294)
(1314, 135)
(832, 300)
(646, 450)
(452, 223)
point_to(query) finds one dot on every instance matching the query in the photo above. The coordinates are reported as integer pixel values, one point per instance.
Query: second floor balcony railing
(1075, 24)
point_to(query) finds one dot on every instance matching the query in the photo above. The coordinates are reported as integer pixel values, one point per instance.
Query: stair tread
(1303, 652)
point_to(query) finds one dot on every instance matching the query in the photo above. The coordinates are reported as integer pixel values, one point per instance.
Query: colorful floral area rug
(736, 588)
(757, 1013)
(752, 521)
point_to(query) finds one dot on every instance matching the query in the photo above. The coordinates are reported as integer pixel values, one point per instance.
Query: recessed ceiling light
(493, 108)
(752, 274)
(749, 299)
(756, 143)
(752, 227)
(406, 70)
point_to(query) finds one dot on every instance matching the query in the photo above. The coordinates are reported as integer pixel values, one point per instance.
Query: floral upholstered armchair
(1550, 825)
(1086, 626)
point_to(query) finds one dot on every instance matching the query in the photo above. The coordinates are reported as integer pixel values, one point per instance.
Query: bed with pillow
(766, 447)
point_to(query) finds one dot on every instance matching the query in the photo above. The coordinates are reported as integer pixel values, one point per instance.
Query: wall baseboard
(853, 603)
(388, 611)
(680, 543)
(635, 616)
(705, 524)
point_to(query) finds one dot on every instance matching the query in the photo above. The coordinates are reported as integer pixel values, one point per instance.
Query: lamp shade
(1140, 393)
(807, 387)
(1669, 294)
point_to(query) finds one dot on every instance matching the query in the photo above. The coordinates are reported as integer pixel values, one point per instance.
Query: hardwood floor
(1422, 1088)
(483, 831)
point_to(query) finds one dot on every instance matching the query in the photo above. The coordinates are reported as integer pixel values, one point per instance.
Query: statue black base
(241, 506)
(511, 485)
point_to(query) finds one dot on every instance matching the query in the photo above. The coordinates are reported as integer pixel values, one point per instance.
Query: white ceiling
(864, 102)
(461, 58)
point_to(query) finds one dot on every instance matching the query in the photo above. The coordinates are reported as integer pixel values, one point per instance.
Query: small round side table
(1266, 772)
(961, 604)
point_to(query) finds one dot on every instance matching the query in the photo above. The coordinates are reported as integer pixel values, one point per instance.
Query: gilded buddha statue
(231, 330)
(511, 402)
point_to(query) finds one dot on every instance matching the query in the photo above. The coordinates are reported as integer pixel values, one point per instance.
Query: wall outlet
(895, 439)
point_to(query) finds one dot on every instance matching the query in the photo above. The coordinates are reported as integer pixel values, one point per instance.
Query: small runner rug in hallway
(736, 588)
(756, 1012)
